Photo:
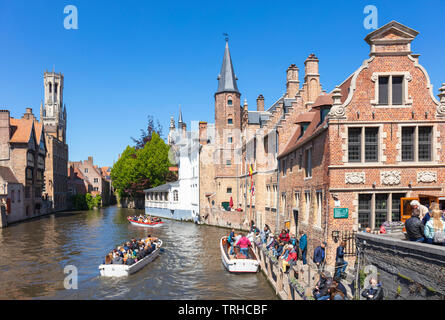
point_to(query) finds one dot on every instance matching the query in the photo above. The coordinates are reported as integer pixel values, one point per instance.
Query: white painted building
(178, 200)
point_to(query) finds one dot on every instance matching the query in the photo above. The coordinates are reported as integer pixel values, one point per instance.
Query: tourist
(321, 290)
(427, 217)
(374, 291)
(368, 230)
(337, 282)
(264, 234)
(108, 258)
(117, 259)
(340, 263)
(271, 242)
(435, 228)
(320, 256)
(243, 243)
(414, 227)
(303, 246)
(419, 209)
(278, 249)
(291, 258)
(335, 293)
(284, 236)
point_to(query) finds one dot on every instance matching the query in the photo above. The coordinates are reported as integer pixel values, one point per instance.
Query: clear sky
(130, 59)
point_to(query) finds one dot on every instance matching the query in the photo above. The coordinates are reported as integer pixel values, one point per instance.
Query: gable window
(324, 112)
(391, 90)
(86, 170)
(304, 126)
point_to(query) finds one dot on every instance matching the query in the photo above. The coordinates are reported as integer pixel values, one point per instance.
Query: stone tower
(52, 110)
(171, 133)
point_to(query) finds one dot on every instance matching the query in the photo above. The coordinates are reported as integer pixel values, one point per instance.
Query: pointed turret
(227, 78)
(180, 122)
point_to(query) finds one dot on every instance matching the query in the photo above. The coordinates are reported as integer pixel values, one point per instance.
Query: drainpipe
(278, 181)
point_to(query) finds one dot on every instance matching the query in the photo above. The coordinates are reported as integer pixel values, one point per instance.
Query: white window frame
(407, 100)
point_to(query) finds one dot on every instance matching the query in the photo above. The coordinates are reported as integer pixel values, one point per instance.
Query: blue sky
(130, 59)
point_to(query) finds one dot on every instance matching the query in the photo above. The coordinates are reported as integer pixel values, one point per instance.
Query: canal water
(33, 256)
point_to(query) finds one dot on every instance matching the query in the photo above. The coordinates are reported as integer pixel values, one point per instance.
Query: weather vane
(226, 35)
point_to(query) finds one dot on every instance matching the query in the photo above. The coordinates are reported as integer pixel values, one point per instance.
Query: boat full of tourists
(146, 222)
(237, 262)
(121, 270)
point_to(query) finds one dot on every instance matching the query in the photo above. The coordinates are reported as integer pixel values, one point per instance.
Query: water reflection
(33, 255)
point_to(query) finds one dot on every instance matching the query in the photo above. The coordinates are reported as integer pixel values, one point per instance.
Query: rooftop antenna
(226, 36)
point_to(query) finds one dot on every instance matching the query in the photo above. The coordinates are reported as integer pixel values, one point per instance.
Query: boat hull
(146, 225)
(238, 265)
(120, 270)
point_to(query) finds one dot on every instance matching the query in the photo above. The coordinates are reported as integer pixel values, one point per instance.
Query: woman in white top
(435, 228)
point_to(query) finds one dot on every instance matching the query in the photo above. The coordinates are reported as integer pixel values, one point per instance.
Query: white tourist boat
(121, 270)
(234, 264)
(145, 224)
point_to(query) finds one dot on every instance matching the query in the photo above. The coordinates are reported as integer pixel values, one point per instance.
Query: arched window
(229, 101)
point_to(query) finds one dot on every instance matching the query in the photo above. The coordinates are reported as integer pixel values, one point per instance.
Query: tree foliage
(141, 168)
(147, 134)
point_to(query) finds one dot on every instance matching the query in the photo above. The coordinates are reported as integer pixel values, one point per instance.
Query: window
(86, 170)
(408, 144)
(96, 180)
(383, 90)
(30, 160)
(371, 144)
(291, 164)
(304, 126)
(229, 121)
(391, 90)
(27, 192)
(283, 167)
(297, 200)
(229, 190)
(229, 102)
(364, 210)
(29, 173)
(425, 143)
(381, 209)
(274, 195)
(95, 189)
(397, 90)
(175, 196)
(228, 162)
(324, 112)
(354, 144)
(268, 196)
(307, 205)
(12, 196)
(396, 206)
(229, 139)
(18, 195)
(319, 208)
(308, 163)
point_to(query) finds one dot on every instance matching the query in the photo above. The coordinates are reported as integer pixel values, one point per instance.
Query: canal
(33, 256)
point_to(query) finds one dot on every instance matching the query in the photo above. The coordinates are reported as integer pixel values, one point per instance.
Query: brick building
(376, 138)
(22, 166)
(92, 175)
(54, 118)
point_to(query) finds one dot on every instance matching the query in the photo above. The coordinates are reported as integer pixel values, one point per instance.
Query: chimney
(5, 132)
(292, 84)
(203, 132)
(90, 160)
(260, 103)
(28, 115)
(312, 78)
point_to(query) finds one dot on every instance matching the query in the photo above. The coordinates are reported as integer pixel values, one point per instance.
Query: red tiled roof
(22, 130)
(305, 117)
(323, 100)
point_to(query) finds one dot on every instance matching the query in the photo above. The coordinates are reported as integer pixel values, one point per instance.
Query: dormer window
(304, 126)
(324, 112)
(391, 89)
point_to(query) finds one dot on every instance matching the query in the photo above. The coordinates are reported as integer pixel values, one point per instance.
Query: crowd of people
(426, 225)
(145, 219)
(132, 251)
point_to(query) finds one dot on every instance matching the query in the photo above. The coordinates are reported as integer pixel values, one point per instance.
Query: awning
(208, 195)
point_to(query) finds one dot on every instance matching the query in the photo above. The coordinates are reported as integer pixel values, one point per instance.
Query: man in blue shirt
(320, 256)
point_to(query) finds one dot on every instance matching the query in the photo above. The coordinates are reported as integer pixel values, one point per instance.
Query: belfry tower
(52, 110)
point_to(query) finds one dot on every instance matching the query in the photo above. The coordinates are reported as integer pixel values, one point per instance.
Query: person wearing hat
(320, 256)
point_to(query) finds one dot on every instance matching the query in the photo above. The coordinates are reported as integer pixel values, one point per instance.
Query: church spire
(227, 78)
(180, 117)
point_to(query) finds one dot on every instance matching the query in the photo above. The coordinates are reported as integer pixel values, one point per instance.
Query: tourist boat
(145, 224)
(239, 263)
(121, 270)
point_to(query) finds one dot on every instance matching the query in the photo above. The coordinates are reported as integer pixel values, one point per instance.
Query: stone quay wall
(407, 270)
